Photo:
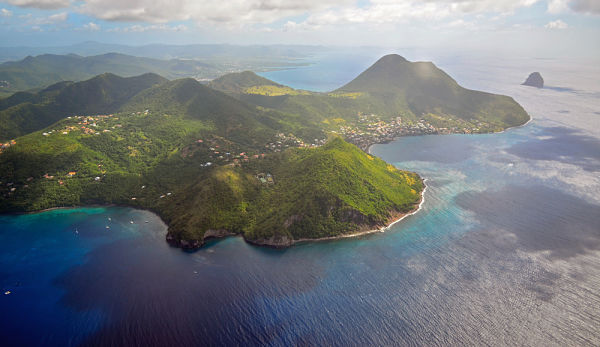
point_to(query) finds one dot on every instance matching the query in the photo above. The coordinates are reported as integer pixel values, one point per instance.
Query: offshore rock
(534, 80)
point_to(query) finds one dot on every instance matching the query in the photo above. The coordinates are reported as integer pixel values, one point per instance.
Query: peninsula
(243, 155)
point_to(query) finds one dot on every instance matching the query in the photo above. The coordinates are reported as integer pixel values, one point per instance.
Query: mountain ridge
(25, 112)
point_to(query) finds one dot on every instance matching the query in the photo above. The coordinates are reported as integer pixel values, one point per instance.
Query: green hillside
(392, 87)
(244, 156)
(25, 112)
(422, 88)
(47, 69)
(207, 163)
(154, 161)
(235, 120)
(238, 82)
(332, 190)
(320, 192)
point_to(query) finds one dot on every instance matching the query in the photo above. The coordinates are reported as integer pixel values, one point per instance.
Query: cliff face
(534, 80)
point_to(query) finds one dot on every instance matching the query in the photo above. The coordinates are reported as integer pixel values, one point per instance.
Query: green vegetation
(317, 192)
(25, 112)
(47, 69)
(396, 85)
(332, 190)
(393, 87)
(153, 160)
(254, 161)
(238, 82)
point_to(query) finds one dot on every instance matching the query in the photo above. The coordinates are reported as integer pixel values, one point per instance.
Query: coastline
(517, 126)
(368, 151)
(367, 232)
(16, 213)
(218, 234)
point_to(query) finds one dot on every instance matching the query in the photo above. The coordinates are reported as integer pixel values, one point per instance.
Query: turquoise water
(505, 250)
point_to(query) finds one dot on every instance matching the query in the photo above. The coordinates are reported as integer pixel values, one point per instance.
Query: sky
(526, 26)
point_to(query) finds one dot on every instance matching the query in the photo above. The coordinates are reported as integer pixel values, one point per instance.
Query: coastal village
(371, 129)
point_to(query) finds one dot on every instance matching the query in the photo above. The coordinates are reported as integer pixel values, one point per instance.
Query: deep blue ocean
(505, 250)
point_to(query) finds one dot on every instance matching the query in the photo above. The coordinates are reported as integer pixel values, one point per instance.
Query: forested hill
(422, 88)
(43, 70)
(239, 82)
(25, 112)
(311, 193)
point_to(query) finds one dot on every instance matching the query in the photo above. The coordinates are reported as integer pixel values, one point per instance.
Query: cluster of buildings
(217, 150)
(6, 145)
(87, 124)
(290, 140)
(370, 129)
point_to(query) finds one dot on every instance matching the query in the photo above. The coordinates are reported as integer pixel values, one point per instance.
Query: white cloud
(215, 11)
(557, 24)
(462, 24)
(558, 6)
(91, 26)
(268, 11)
(399, 11)
(52, 19)
(42, 4)
(5, 13)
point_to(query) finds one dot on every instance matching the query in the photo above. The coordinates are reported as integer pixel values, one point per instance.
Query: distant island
(534, 80)
(242, 156)
(41, 71)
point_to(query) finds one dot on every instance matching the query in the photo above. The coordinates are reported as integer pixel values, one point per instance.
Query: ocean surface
(505, 251)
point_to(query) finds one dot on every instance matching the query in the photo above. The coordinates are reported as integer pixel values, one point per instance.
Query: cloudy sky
(520, 25)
